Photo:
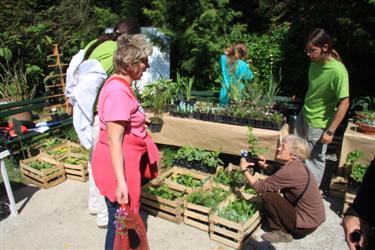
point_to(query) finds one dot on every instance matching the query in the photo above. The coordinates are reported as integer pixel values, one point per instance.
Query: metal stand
(4, 173)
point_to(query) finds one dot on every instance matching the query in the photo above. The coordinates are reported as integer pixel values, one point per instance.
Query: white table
(4, 173)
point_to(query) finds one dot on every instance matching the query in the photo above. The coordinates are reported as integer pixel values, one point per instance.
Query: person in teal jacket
(234, 70)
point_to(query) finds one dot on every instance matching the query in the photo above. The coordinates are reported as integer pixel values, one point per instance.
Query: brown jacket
(292, 178)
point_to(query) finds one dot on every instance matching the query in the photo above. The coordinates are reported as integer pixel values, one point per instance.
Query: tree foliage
(274, 31)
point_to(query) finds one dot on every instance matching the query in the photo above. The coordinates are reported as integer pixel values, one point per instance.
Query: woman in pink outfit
(123, 139)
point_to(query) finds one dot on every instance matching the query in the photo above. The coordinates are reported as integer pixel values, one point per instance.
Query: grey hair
(297, 147)
(131, 49)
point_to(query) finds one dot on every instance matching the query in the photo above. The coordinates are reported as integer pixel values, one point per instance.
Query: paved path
(58, 219)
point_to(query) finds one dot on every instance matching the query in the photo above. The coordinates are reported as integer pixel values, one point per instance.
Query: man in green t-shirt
(326, 101)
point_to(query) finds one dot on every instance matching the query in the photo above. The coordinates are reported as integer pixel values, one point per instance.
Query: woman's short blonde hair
(297, 147)
(131, 49)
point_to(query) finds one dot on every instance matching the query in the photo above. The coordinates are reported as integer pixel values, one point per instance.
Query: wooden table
(214, 136)
(354, 140)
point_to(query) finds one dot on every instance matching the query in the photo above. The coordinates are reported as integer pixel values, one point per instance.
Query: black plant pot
(204, 116)
(197, 115)
(211, 170)
(196, 165)
(155, 125)
(189, 164)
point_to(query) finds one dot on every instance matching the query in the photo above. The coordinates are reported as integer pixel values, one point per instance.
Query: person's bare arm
(115, 136)
(337, 119)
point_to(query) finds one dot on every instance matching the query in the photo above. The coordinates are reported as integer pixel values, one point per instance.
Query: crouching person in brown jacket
(297, 210)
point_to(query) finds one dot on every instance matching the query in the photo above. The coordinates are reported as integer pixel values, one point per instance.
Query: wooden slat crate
(78, 171)
(349, 198)
(338, 187)
(64, 148)
(43, 178)
(231, 233)
(161, 207)
(350, 195)
(177, 171)
(198, 215)
(37, 148)
(247, 196)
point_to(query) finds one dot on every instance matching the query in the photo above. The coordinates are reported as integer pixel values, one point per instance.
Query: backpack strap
(304, 191)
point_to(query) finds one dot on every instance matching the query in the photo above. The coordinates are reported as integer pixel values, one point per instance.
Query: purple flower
(120, 222)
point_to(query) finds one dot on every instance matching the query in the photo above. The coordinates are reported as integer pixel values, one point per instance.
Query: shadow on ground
(20, 191)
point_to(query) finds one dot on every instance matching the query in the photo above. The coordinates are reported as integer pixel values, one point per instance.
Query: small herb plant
(238, 211)
(187, 180)
(357, 170)
(40, 165)
(164, 191)
(208, 198)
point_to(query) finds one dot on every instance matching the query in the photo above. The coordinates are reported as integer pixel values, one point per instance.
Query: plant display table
(355, 140)
(213, 136)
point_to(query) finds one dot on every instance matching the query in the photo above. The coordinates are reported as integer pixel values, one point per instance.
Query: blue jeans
(111, 230)
(317, 161)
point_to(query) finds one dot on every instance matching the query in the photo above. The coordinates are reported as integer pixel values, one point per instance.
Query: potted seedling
(157, 95)
(356, 169)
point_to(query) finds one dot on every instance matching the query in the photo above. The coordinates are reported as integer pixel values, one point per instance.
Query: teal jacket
(243, 72)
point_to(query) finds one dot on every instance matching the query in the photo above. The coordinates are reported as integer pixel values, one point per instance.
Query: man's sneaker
(102, 226)
(277, 236)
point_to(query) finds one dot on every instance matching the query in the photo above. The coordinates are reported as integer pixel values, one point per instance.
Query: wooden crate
(349, 198)
(76, 172)
(338, 187)
(350, 195)
(241, 192)
(161, 207)
(198, 215)
(43, 178)
(177, 171)
(37, 148)
(70, 147)
(231, 233)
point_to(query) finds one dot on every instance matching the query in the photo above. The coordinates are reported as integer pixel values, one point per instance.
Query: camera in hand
(356, 235)
(249, 156)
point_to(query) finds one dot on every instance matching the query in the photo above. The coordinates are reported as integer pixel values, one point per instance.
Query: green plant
(167, 156)
(212, 159)
(208, 198)
(357, 170)
(188, 180)
(70, 134)
(273, 87)
(14, 86)
(238, 211)
(186, 83)
(156, 96)
(164, 191)
(253, 142)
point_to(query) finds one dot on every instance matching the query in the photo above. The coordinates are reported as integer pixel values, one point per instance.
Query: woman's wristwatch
(329, 132)
(245, 170)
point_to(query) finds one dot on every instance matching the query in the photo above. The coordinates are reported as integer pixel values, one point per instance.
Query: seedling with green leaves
(357, 169)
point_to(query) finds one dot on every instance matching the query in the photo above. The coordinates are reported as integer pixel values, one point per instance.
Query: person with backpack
(86, 73)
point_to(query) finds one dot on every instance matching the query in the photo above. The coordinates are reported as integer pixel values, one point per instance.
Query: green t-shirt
(104, 54)
(328, 83)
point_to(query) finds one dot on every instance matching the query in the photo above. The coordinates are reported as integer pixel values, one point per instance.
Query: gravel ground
(58, 219)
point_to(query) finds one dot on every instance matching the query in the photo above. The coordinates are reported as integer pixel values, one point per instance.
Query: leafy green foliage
(164, 191)
(357, 170)
(238, 211)
(40, 165)
(253, 141)
(208, 198)
(188, 180)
